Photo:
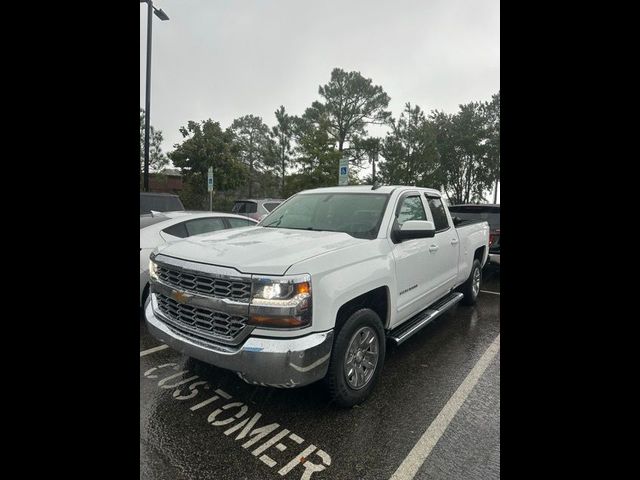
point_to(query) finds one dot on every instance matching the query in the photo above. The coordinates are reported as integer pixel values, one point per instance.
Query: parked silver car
(255, 208)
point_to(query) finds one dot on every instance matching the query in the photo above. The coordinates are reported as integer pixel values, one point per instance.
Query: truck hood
(259, 250)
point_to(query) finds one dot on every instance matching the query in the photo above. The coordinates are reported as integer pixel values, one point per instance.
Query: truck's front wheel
(357, 358)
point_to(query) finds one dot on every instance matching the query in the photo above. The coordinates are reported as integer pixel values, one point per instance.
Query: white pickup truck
(318, 287)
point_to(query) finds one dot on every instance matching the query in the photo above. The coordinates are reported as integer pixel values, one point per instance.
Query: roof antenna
(375, 185)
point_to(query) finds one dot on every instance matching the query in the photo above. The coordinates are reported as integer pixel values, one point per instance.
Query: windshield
(356, 214)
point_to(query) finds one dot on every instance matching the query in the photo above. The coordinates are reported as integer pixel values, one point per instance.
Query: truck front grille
(201, 322)
(239, 290)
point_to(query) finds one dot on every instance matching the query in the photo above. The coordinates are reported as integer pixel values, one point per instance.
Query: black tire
(470, 296)
(341, 392)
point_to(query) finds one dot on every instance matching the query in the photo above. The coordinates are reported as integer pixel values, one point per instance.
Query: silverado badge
(179, 297)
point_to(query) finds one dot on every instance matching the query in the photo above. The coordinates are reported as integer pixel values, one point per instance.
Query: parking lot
(435, 413)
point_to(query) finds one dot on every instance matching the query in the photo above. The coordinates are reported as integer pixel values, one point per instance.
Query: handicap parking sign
(343, 171)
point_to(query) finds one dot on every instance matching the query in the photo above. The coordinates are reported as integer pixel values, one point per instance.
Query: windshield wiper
(308, 229)
(322, 230)
(277, 222)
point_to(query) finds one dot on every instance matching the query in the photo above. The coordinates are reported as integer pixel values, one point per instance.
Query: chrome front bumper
(284, 363)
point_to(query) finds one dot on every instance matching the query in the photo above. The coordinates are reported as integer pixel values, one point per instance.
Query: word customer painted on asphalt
(240, 425)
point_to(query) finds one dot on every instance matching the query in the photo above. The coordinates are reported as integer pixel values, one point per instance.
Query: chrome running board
(415, 324)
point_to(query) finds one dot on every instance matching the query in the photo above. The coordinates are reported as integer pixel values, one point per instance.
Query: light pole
(147, 104)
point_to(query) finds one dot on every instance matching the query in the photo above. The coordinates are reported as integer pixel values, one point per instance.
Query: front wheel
(357, 358)
(471, 288)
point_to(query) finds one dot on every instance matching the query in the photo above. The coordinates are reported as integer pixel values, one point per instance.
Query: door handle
(433, 248)
(454, 241)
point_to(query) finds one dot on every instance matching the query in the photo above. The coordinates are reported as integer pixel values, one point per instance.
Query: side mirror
(456, 221)
(414, 229)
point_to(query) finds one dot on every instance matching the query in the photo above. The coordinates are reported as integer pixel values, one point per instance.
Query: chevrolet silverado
(318, 288)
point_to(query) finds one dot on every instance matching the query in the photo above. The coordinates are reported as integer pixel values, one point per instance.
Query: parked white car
(159, 228)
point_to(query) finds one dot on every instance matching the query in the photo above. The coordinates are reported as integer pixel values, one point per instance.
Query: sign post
(374, 159)
(210, 187)
(343, 173)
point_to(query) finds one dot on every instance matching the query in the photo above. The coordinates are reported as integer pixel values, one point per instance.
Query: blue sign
(210, 179)
(343, 171)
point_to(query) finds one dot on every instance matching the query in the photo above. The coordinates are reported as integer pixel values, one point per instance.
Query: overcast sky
(222, 59)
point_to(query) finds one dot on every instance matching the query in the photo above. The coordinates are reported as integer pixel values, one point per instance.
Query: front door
(413, 261)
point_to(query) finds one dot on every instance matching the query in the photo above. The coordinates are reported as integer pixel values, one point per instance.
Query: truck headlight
(280, 302)
(153, 270)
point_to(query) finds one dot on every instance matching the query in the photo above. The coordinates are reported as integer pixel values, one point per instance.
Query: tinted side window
(251, 207)
(238, 222)
(204, 225)
(270, 206)
(177, 230)
(439, 215)
(411, 209)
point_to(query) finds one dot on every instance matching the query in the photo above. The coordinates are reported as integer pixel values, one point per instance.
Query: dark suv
(488, 212)
(159, 202)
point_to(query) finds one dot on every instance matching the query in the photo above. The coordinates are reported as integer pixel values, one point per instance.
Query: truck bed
(465, 223)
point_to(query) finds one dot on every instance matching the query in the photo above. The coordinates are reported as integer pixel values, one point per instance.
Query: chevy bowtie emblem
(179, 297)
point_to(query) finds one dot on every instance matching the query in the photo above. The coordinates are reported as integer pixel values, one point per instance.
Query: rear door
(444, 247)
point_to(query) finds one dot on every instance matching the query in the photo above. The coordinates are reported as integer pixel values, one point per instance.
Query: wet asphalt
(369, 441)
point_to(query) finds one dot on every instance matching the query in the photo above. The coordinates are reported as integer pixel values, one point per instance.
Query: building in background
(168, 180)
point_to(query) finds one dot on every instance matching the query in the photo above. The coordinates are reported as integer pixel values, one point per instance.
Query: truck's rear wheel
(356, 359)
(471, 287)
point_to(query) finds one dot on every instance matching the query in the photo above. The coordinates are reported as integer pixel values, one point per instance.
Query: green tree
(492, 116)
(316, 156)
(254, 145)
(283, 134)
(206, 145)
(462, 141)
(157, 159)
(369, 149)
(410, 150)
(350, 103)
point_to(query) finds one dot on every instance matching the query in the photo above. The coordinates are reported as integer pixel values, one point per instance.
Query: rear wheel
(356, 359)
(471, 288)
